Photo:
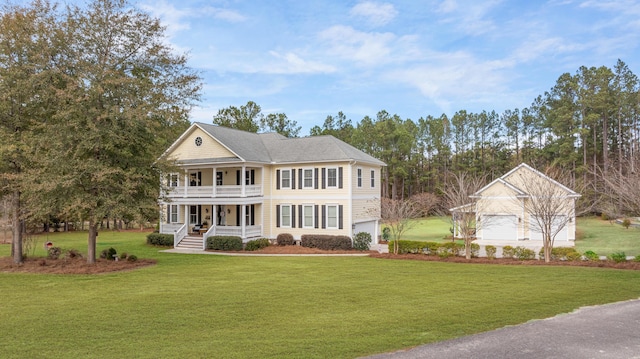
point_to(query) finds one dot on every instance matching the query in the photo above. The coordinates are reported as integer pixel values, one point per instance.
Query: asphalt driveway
(605, 331)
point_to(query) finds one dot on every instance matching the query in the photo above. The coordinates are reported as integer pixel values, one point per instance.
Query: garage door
(536, 233)
(368, 227)
(502, 228)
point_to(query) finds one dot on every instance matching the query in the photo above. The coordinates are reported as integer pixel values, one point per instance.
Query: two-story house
(253, 185)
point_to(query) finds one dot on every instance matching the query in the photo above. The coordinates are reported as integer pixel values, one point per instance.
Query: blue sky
(310, 59)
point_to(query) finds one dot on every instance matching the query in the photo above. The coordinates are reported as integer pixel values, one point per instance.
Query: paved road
(606, 331)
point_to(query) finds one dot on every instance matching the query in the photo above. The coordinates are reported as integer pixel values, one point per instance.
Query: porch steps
(189, 242)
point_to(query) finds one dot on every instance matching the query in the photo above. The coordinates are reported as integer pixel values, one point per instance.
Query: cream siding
(210, 148)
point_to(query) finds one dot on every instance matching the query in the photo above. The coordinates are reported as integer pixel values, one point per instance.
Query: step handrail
(179, 235)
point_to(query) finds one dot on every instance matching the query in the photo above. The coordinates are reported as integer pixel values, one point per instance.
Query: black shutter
(253, 177)
(293, 216)
(277, 216)
(252, 220)
(315, 213)
(293, 178)
(199, 178)
(238, 215)
(300, 178)
(277, 179)
(340, 226)
(315, 178)
(324, 178)
(300, 216)
(238, 177)
(339, 177)
(324, 216)
(168, 213)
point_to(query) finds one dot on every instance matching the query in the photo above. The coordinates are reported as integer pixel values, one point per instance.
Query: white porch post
(243, 180)
(186, 183)
(186, 216)
(243, 220)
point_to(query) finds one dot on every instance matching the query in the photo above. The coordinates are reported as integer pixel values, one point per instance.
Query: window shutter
(340, 225)
(277, 216)
(339, 177)
(300, 216)
(293, 216)
(253, 215)
(293, 178)
(300, 178)
(315, 178)
(238, 215)
(253, 177)
(238, 177)
(199, 178)
(277, 179)
(168, 213)
(315, 213)
(324, 216)
(324, 178)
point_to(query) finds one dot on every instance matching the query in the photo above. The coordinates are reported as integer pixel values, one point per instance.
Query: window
(173, 213)
(308, 178)
(332, 216)
(218, 178)
(332, 177)
(250, 177)
(359, 177)
(285, 215)
(285, 179)
(373, 178)
(173, 180)
(195, 178)
(308, 215)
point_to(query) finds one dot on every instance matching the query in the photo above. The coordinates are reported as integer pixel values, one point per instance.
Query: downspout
(352, 163)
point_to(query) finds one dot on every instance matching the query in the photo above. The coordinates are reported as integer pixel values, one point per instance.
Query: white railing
(221, 191)
(210, 232)
(249, 231)
(170, 228)
(179, 235)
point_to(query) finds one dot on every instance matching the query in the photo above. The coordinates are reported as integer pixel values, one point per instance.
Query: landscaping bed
(505, 261)
(71, 265)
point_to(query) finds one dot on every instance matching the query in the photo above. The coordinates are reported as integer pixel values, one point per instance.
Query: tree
(549, 205)
(279, 123)
(458, 198)
(29, 83)
(397, 215)
(127, 91)
(425, 202)
(246, 117)
(339, 127)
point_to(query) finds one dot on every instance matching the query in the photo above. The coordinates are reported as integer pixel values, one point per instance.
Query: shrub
(637, 258)
(475, 250)
(523, 253)
(431, 248)
(256, 244)
(109, 254)
(448, 249)
(562, 254)
(285, 239)
(159, 239)
(132, 258)
(224, 243)
(73, 253)
(362, 241)
(124, 255)
(591, 256)
(508, 252)
(405, 247)
(386, 234)
(54, 252)
(491, 251)
(618, 257)
(626, 223)
(326, 242)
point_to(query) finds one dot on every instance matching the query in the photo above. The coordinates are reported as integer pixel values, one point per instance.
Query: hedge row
(159, 239)
(326, 242)
(224, 243)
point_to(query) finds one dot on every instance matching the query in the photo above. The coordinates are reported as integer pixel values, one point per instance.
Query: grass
(278, 307)
(605, 237)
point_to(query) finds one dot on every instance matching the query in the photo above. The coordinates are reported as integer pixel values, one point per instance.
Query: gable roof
(504, 179)
(275, 148)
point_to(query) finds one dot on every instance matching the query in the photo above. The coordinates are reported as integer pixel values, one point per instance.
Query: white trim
(327, 185)
(282, 171)
(336, 206)
(304, 216)
(304, 178)
(282, 206)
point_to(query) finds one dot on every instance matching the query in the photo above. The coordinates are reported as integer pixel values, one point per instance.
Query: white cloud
(377, 14)
(470, 17)
(294, 64)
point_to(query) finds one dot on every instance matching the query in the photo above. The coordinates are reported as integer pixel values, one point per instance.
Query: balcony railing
(220, 191)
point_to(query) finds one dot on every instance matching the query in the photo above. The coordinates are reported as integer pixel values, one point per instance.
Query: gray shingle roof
(273, 147)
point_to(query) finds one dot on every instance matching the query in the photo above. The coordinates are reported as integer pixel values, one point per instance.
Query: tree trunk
(467, 248)
(547, 249)
(91, 243)
(16, 225)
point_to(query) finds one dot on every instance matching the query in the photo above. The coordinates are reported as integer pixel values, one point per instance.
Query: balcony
(222, 191)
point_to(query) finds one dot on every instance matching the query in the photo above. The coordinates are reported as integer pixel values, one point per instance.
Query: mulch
(71, 265)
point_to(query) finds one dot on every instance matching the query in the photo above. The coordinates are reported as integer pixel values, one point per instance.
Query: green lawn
(278, 307)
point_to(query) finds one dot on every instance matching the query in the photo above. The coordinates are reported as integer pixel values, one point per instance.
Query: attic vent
(198, 141)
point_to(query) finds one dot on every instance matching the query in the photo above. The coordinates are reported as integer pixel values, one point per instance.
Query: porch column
(215, 181)
(186, 216)
(214, 218)
(186, 184)
(243, 180)
(243, 219)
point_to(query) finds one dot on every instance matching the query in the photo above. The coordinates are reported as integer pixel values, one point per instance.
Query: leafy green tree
(278, 122)
(97, 155)
(339, 127)
(246, 117)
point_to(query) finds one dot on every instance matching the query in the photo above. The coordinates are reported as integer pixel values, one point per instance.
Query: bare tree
(548, 204)
(426, 203)
(397, 215)
(458, 197)
(623, 189)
